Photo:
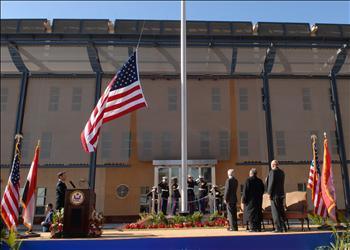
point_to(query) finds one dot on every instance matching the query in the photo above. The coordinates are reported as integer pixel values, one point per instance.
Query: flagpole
(183, 111)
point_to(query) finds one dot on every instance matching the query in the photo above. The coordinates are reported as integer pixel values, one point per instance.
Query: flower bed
(159, 221)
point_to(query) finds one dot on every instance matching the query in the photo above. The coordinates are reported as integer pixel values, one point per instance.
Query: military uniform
(164, 195)
(190, 195)
(175, 197)
(216, 198)
(60, 194)
(202, 193)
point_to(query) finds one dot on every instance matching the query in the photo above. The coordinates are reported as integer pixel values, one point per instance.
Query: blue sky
(255, 11)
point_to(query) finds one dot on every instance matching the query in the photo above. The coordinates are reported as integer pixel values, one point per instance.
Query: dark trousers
(202, 204)
(164, 204)
(175, 205)
(232, 215)
(191, 205)
(278, 215)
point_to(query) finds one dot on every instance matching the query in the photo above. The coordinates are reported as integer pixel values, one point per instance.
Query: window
(25, 146)
(147, 143)
(215, 99)
(302, 187)
(76, 99)
(204, 143)
(54, 98)
(126, 145)
(280, 143)
(306, 99)
(40, 200)
(106, 145)
(4, 98)
(333, 142)
(144, 206)
(243, 99)
(46, 141)
(166, 144)
(224, 142)
(243, 143)
(172, 99)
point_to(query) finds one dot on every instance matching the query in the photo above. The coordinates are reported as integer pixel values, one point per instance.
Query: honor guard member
(190, 194)
(164, 194)
(216, 198)
(60, 190)
(202, 193)
(152, 197)
(175, 195)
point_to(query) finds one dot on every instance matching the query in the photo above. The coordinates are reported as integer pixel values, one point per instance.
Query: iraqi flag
(28, 196)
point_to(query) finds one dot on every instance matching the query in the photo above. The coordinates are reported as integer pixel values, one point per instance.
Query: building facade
(61, 70)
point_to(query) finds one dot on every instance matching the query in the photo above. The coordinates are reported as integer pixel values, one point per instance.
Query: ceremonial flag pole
(183, 111)
(28, 197)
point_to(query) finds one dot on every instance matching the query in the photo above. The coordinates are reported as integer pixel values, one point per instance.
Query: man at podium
(60, 190)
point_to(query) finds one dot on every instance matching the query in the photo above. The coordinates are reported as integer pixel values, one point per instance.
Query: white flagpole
(183, 111)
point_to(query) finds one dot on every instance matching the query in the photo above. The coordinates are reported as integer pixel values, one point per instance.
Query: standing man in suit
(252, 198)
(275, 189)
(230, 197)
(60, 190)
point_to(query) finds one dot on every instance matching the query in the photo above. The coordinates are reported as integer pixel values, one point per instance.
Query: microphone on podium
(72, 184)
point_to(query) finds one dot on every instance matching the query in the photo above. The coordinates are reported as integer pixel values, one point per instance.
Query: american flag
(10, 200)
(122, 96)
(314, 183)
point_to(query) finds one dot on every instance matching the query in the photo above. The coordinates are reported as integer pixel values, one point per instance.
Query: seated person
(48, 218)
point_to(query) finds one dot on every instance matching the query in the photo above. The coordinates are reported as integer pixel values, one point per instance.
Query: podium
(78, 207)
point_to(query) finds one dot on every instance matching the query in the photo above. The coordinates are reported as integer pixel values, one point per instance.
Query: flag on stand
(28, 196)
(328, 189)
(314, 182)
(10, 200)
(122, 96)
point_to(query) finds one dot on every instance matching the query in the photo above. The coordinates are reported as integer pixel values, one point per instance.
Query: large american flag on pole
(314, 183)
(122, 96)
(10, 200)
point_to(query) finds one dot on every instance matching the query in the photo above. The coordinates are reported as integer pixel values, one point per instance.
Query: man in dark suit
(275, 189)
(60, 190)
(252, 198)
(46, 224)
(230, 197)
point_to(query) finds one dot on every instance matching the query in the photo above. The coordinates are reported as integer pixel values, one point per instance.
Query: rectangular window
(144, 206)
(243, 143)
(25, 146)
(46, 142)
(166, 144)
(3, 99)
(40, 201)
(54, 98)
(76, 99)
(215, 99)
(302, 187)
(204, 144)
(147, 143)
(306, 99)
(243, 99)
(333, 143)
(172, 99)
(126, 145)
(106, 145)
(280, 143)
(224, 142)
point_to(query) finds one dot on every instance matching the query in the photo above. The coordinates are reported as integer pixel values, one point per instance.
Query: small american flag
(314, 183)
(10, 200)
(122, 96)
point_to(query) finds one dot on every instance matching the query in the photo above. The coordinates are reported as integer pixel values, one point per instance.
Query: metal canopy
(219, 56)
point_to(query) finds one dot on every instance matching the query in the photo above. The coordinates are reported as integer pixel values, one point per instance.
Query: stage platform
(196, 238)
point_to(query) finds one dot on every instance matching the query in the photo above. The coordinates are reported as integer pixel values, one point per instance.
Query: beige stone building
(226, 120)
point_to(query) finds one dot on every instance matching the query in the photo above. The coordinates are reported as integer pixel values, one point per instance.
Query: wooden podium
(78, 207)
